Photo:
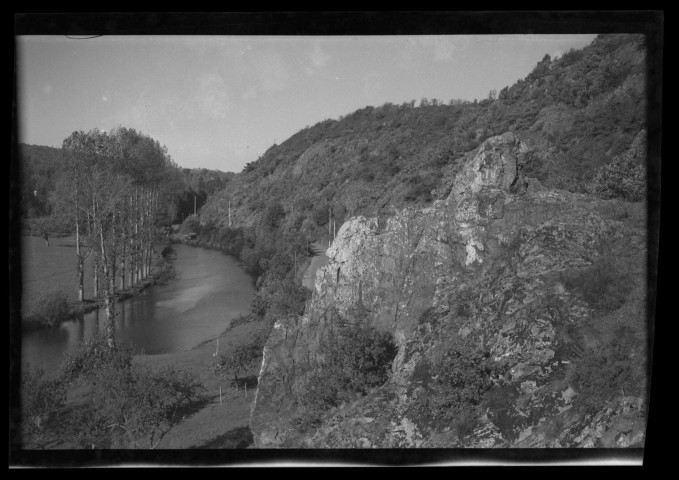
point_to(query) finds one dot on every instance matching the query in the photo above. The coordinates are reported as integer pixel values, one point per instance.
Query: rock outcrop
(485, 265)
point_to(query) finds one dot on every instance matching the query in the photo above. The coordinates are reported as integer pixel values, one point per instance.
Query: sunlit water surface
(210, 289)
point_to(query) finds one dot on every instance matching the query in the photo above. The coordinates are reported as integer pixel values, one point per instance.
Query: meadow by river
(209, 290)
(52, 268)
(182, 325)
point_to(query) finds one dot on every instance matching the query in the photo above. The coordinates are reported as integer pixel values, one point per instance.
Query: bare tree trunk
(113, 258)
(123, 241)
(135, 240)
(95, 263)
(140, 247)
(78, 253)
(109, 286)
(109, 304)
(95, 279)
(122, 265)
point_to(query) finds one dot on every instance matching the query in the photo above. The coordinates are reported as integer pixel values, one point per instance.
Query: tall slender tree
(113, 188)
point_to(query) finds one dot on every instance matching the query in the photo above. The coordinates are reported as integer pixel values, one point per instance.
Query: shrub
(94, 356)
(190, 225)
(51, 310)
(273, 215)
(231, 240)
(129, 405)
(420, 187)
(602, 285)
(132, 408)
(429, 316)
(460, 381)
(168, 252)
(624, 179)
(240, 359)
(41, 401)
(287, 298)
(240, 320)
(320, 214)
(163, 271)
(357, 359)
(601, 374)
(252, 260)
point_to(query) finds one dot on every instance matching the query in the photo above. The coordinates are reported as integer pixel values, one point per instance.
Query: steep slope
(578, 113)
(548, 286)
(495, 242)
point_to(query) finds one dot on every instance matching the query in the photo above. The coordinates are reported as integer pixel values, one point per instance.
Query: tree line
(110, 191)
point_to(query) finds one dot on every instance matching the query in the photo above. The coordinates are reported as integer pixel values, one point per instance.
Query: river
(210, 290)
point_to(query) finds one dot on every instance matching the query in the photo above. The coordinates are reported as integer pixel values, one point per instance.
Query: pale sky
(219, 102)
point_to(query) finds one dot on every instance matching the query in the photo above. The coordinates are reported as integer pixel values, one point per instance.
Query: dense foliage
(455, 387)
(580, 113)
(613, 370)
(357, 359)
(41, 401)
(39, 167)
(602, 285)
(193, 187)
(40, 171)
(243, 356)
(50, 310)
(129, 405)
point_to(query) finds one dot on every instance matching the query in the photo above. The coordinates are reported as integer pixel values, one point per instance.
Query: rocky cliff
(497, 262)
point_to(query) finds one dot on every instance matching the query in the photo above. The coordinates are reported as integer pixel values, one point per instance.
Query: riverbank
(56, 309)
(216, 421)
(306, 269)
(220, 418)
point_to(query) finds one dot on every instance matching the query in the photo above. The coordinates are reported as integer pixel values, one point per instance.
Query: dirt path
(318, 260)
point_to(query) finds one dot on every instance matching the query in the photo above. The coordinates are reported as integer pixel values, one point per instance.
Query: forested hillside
(579, 113)
(485, 283)
(39, 166)
(498, 243)
(582, 116)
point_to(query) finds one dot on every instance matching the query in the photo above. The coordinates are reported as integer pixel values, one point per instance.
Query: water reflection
(210, 289)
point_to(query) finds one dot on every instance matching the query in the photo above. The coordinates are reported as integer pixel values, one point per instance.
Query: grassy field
(212, 424)
(50, 269)
(209, 423)
(214, 421)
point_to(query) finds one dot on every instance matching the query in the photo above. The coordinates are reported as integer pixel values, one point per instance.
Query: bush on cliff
(357, 359)
(624, 180)
(615, 369)
(602, 285)
(279, 298)
(456, 387)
